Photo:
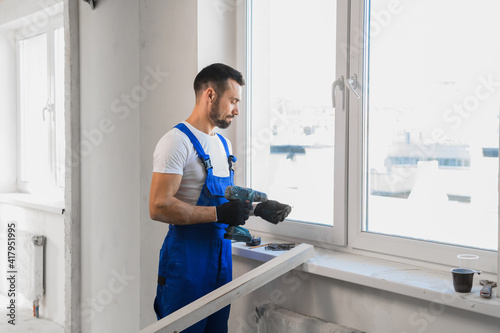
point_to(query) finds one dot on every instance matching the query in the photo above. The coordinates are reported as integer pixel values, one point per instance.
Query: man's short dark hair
(216, 76)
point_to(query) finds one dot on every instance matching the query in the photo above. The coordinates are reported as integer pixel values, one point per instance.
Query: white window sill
(422, 283)
(39, 202)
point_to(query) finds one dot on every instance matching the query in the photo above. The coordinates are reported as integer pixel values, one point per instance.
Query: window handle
(48, 108)
(340, 84)
(352, 84)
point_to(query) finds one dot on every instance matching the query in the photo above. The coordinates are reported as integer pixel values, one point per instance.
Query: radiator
(271, 319)
(30, 261)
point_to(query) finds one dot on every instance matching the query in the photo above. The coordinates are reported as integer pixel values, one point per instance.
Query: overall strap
(205, 159)
(230, 158)
(224, 143)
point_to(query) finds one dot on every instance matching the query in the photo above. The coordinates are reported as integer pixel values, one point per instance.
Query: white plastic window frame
(413, 249)
(54, 22)
(347, 234)
(324, 236)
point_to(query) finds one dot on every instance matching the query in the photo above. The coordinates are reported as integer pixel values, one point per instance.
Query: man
(193, 166)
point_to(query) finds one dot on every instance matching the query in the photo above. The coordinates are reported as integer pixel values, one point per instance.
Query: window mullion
(356, 144)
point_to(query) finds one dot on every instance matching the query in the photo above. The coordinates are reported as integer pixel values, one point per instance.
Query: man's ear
(210, 94)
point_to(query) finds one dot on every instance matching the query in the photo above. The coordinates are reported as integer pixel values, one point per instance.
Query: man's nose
(236, 111)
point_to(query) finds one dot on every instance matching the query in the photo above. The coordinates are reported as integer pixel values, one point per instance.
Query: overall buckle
(231, 159)
(207, 164)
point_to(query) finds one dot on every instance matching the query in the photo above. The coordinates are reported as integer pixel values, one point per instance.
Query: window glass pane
(33, 99)
(292, 134)
(432, 121)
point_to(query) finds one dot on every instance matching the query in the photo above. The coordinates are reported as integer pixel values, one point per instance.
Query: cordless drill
(238, 233)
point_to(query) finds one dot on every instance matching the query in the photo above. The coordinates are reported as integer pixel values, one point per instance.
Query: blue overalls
(196, 259)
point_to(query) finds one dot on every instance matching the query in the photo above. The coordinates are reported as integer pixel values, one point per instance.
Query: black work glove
(234, 212)
(272, 211)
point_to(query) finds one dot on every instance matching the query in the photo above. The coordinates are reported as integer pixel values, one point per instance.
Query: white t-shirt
(175, 154)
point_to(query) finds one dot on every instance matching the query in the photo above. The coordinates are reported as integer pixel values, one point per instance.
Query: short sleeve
(171, 153)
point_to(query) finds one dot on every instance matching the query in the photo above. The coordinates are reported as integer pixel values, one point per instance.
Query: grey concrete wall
(179, 38)
(110, 166)
(168, 42)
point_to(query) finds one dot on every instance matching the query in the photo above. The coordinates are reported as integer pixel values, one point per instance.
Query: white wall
(216, 40)
(216, 33)
(12, 10)
(50, 225)
(110, 166)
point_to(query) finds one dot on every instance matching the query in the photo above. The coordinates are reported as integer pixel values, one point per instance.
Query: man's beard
(215, 116)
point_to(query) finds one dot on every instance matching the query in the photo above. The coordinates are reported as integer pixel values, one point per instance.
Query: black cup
(462, 279)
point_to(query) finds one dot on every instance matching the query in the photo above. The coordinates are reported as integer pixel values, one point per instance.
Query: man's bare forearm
(175, 211)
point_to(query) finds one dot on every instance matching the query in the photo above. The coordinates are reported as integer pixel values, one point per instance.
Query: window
(41, 108)
(293, 138)
(427, 176)
(429, 130)
(407, 161)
